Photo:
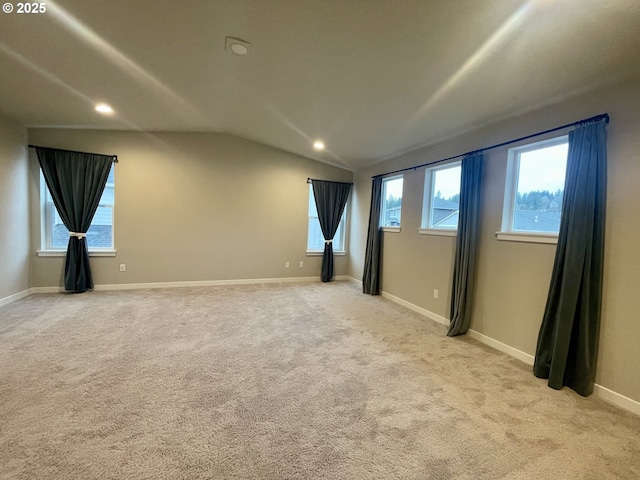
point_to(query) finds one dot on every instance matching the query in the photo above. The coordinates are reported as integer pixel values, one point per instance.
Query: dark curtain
(568, 341)
(370, 277)
(466, 244)
(76, 182)
(331, 198)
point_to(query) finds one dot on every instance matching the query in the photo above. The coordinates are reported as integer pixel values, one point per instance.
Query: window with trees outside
(315, 239)
(441, 203)
(391, 208)
(100, 233)
(535, 187)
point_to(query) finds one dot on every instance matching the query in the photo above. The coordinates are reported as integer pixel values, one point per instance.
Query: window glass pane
(339, 238)
(100, 233)
(445, 201)
(59, 233)
(391, 202)
(107, 195)
(313, 211)
(98, 236)
(540, 189)
(315, 239)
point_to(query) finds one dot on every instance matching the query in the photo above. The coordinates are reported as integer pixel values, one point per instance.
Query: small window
(391, 208)
(100, 233)
(535, 187)
(315, 239)
(441, 204)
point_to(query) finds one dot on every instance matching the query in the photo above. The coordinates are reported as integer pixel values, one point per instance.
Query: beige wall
(194, 207)
(513, 278)
(14, 210)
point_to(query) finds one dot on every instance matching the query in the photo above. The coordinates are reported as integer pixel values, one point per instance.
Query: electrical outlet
(301, 264)
(435, 293)
(123, 267)
(286, 264)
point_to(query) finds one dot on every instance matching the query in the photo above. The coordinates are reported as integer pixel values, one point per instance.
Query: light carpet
(281, 381)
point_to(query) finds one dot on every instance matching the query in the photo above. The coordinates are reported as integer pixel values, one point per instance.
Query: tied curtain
(568, 340)
(466, 244)
(76, 182)
(371, 274)
(331, 198)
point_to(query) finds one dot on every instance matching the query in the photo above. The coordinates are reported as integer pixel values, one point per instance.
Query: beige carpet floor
(291, 381)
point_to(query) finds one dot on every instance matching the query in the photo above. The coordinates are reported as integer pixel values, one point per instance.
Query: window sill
(390, 229)
(528, 237)
(318, 253)
(62, 253)
(437, 231)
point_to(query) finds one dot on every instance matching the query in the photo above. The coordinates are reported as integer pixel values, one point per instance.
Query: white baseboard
(14, 297)
(202, 283)
(415, 308)
(599, 391)
(195, 283)
(616, 399)
(46, 290)
(502, 347)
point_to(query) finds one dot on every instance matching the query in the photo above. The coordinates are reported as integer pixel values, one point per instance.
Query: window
(100, 233)
(535, 188)
(391, 208)
(315, 239)
(441, 204)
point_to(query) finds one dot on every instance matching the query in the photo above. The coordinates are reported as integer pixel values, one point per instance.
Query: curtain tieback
(328, 241)
(77, 235)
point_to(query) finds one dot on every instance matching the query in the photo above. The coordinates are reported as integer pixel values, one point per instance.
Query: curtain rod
(597, 118)
(309, 180)
(115, 157)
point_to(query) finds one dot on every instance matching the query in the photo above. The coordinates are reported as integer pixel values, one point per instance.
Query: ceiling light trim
(237, 46)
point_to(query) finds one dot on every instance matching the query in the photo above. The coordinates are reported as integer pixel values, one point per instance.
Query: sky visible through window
(543, 169)
(394, 188)
(540, 189)
(447, 182)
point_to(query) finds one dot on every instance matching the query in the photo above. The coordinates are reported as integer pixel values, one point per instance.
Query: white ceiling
(372, 78)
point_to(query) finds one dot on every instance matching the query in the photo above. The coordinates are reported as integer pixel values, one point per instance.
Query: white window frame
(341, 231)
(511, 187)
(48, 210)
(390, 228)
(429, 186)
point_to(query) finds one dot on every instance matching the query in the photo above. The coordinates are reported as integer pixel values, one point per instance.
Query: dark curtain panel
(568, 341)
(331, 198)
(466, 245)
(76, 182)
(370, 277)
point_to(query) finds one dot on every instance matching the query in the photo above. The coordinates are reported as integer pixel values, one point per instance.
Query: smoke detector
(236, 45)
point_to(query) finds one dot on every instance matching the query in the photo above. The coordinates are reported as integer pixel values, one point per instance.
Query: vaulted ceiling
(371, 78)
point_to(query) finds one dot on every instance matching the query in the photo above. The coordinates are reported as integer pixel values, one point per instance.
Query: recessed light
(236, 45)
(239, 49)
(318, 145)
(104, 108)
